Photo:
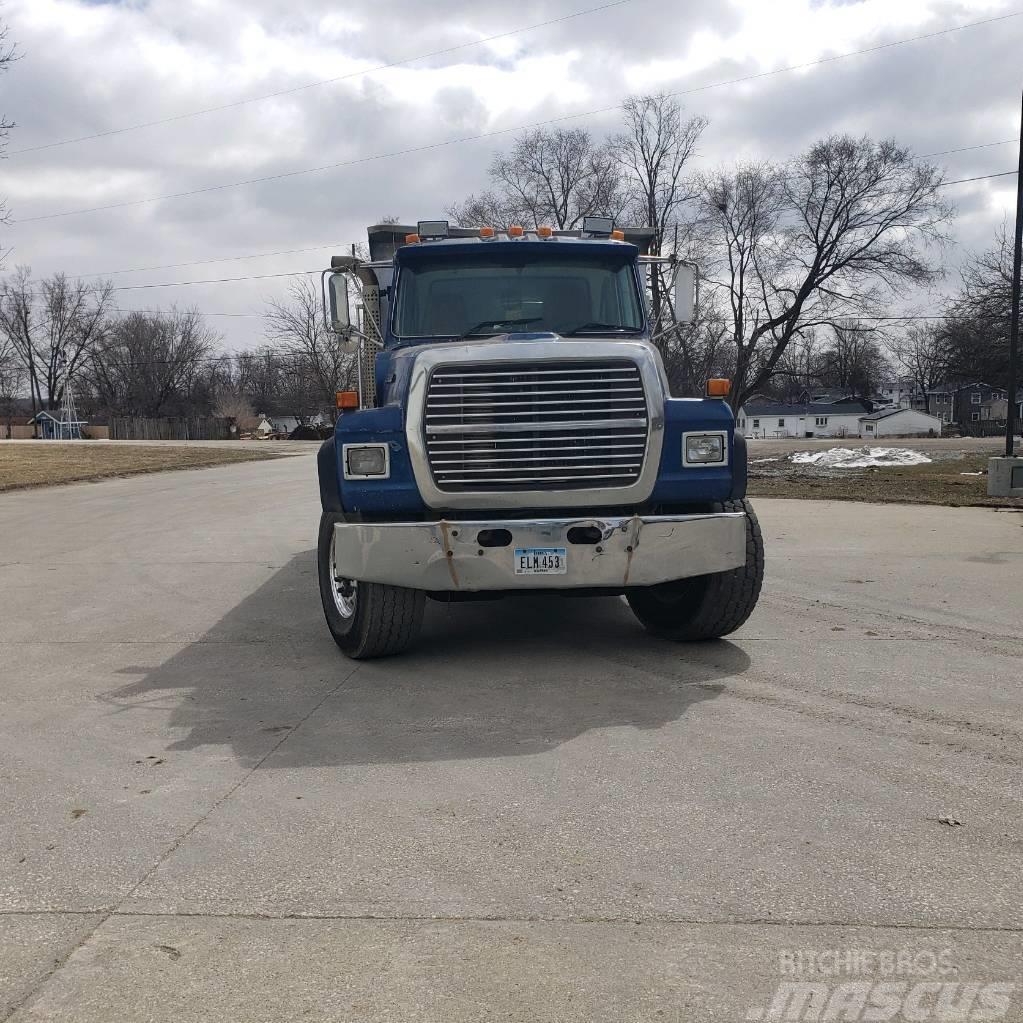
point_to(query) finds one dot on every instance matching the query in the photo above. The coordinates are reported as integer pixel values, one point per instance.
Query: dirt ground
(955, 476)
(44, 463)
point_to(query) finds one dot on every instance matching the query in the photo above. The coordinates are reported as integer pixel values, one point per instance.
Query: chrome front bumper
(447, 555)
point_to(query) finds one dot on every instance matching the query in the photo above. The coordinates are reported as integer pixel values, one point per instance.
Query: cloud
(94, 67)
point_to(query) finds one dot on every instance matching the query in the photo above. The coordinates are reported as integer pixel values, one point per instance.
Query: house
(901, 393)
(969, 404)
(284, 425)
(899, 422)
(831, 396)
(53, 427)
(807, 419)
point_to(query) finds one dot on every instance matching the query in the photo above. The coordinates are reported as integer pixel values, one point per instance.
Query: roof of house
(955, 389)
(813, 408)
(45, 414)
(887, 412)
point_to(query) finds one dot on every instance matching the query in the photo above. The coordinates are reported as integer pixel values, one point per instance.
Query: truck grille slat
(524, 459)
(569, 425)
(513, 397)
(494, 452)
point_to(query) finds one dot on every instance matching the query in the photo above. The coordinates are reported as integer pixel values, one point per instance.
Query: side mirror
(685, 293)
(340, 313)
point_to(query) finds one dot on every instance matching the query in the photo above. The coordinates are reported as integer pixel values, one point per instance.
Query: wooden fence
(171, 428)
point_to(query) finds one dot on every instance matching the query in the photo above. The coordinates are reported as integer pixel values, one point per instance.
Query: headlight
(363, 460)
(703, 448)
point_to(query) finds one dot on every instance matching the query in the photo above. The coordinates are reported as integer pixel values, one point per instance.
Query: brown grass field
(956, 478)
(44, 463)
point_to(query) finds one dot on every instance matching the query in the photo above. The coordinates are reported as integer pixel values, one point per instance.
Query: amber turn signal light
(718, 387)
(346, 399)
(618, 236)
(411, 239)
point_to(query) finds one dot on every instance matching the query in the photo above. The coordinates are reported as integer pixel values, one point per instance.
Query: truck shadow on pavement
(514, 677)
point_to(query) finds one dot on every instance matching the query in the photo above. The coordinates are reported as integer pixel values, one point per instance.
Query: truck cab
(512, 430)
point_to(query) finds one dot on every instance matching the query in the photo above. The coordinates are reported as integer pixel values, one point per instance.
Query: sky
(89, 67)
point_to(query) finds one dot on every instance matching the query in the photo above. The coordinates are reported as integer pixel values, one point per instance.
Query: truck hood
(394, 366)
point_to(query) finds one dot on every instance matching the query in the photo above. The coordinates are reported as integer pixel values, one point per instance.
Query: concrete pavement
(541, 813)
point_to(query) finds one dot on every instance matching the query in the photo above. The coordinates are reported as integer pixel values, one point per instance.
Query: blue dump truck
(512, 432)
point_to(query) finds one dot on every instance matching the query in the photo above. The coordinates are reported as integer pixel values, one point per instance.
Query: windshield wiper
(492, 325)
(586, 328)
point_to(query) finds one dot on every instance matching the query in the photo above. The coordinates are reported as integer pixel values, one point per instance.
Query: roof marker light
(544, 232)
(617, 236)
(515, 231)
(486, 232)
(411, 239)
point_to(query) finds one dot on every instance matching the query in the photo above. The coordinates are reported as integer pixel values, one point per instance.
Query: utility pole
(1010, 418)
(1005, 474)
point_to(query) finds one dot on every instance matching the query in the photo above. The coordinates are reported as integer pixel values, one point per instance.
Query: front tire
(366, 619)
(706, 606)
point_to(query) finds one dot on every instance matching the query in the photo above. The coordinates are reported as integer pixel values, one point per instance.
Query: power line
(337, 245)
(979, 177)
(303, 273)
(317, 84)
(967, 149)
(505, 131)
(160, 312)
(885, 318)
(206, 262)
(215, 280)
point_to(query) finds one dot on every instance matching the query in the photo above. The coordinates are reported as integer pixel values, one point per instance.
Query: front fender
(326, 469)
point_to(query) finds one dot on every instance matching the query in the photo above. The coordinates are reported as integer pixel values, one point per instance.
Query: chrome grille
(560, 425)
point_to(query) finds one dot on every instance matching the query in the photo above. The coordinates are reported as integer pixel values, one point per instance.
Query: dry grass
(44, 463)
(939, 482)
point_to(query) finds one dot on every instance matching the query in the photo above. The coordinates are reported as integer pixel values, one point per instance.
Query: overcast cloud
(94, 65)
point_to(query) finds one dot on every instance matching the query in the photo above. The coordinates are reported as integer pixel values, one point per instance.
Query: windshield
(449, 298)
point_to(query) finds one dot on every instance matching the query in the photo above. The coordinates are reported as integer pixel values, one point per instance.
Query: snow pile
(858, 458)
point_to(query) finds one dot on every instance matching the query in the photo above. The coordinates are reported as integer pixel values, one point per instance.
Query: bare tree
(551, 176)
(12, 380)
(233, 404)
(798, 369)
(7, 55)
(653, 152)
(259, 377)
(154, 364)
(976, 331)
(49, 321)
(822, 239)
(294, 326)
(853, 359)
(922, 353)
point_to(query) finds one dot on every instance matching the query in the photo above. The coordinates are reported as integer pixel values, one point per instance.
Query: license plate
(541, 560)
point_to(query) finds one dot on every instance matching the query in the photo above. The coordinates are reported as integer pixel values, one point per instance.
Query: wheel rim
(345, 591)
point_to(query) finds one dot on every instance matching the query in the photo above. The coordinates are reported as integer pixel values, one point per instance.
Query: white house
(902, 392)
(899, 422)
(812, 419)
